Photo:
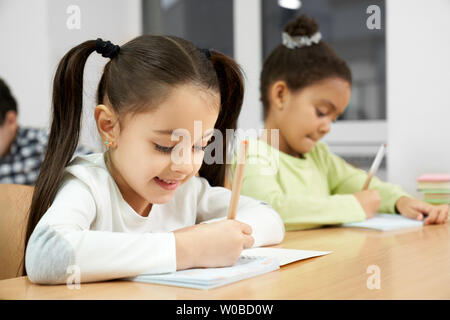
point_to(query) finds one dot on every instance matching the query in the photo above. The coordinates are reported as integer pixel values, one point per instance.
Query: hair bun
(302, 26)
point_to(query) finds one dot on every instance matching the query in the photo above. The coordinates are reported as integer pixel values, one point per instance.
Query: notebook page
(386, 222)
(207, 278)
(284, 256)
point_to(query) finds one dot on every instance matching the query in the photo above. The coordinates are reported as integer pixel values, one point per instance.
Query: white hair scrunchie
(300, 41)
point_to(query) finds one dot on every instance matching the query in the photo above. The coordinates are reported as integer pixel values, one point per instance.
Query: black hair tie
(106, 48)
(207, 53)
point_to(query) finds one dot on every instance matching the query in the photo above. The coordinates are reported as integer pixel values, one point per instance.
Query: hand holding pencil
(370, 199)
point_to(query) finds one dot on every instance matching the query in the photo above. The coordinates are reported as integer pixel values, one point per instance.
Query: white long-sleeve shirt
(92, 229)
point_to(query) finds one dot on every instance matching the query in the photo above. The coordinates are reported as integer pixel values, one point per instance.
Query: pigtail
(231, 82)
(67, 106)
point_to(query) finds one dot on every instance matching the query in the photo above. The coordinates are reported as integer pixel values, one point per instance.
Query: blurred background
(401, 71)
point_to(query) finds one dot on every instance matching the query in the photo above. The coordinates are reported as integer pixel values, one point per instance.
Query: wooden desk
(414, 264)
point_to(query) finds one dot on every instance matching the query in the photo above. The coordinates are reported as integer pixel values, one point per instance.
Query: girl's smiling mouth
(310, 138)
(167, 184)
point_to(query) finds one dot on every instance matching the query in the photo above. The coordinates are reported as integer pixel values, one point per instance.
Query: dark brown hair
(135, 80)
(301, 67)
(7, 101)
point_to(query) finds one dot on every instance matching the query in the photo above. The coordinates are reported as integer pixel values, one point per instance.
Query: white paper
(284, 256)
(386, 222)
(252, 262)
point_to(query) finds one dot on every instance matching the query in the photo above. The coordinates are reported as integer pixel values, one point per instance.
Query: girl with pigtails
(132, 209)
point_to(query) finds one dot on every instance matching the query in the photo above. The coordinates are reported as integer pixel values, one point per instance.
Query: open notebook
(252, 262)
(386, 222)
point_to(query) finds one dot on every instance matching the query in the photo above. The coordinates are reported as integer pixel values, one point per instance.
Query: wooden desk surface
(413, 264)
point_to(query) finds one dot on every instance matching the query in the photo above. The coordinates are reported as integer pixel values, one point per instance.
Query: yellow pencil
(238, 177)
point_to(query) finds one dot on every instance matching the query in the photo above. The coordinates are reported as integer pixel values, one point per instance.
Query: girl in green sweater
(304, 87)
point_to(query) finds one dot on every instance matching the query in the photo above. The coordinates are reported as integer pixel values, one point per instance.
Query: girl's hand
(216, 244)
(417, 209)
(370, 201)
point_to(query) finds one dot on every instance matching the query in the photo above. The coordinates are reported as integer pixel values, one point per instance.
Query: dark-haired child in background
(132, 209)
(305, 87)
(22, 149)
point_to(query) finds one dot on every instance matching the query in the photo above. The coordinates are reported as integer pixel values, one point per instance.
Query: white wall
(418, 83)
(115, 20)
(248, 53)
(34, 37)
(25, 57)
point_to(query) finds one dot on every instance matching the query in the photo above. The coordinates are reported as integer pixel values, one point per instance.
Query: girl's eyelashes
(169, 149)
(203, 148)
(199, 148)
(163, 149)
(320, 113)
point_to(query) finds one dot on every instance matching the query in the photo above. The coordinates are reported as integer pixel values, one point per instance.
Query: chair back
(15, 201)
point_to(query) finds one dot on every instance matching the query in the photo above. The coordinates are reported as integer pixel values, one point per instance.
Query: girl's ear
(107, 124)
(11, 120)
(278, 94)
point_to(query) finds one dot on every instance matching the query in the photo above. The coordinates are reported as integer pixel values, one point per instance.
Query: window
(206, 23)
(343, 26)
(362, 128)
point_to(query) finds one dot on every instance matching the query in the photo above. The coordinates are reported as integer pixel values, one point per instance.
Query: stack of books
(435, 187)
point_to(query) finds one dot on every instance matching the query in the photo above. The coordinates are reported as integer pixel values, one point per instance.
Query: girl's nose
(182, 165)
(183, 168)
(325, 126)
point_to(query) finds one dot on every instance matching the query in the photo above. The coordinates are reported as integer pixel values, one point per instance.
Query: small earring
(110, 144)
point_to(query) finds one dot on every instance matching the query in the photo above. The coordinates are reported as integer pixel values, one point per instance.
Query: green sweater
(310, 192)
